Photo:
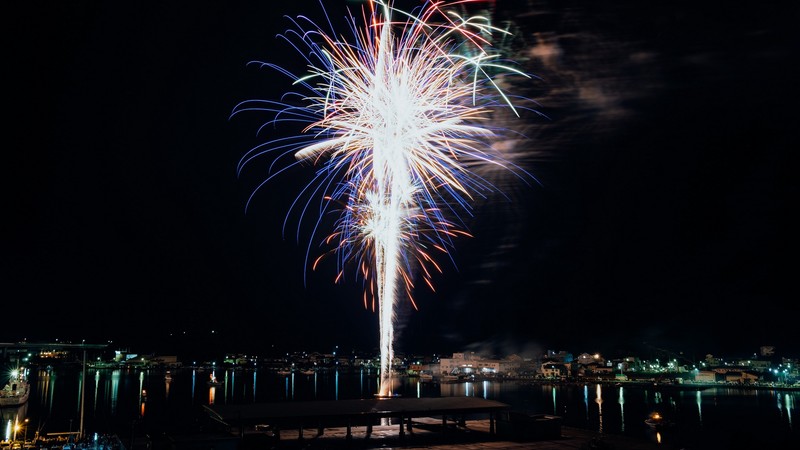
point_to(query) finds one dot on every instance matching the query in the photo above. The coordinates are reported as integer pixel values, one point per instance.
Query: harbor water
(138, 402)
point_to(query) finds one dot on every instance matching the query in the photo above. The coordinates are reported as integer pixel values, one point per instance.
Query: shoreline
(687, 386)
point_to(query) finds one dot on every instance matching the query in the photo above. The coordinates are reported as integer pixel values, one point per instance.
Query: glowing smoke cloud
(397, 121)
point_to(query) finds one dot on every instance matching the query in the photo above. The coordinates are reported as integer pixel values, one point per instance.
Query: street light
(26, 432)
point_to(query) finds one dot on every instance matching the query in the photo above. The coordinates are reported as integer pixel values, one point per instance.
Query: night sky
(663, 216)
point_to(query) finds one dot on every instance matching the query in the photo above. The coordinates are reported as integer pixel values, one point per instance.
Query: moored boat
(656, 421)
(213, 381)
(16, 390)
(454, 378)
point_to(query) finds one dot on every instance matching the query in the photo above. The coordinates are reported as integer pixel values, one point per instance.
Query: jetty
(319, 415)
(448, 423)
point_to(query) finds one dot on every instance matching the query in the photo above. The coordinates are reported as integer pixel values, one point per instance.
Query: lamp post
(25, 439)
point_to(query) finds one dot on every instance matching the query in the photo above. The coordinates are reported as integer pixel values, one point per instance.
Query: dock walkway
(447, 423)
(472, 435)
(280, 417)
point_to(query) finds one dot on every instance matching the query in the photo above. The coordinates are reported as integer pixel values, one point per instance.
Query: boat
(308, 372)
(16, 390)
(454, 378)
(213, 381)
(168, 376)
(656, 421)
(425, 376)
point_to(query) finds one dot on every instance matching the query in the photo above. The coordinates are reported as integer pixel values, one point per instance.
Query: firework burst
(396, 121)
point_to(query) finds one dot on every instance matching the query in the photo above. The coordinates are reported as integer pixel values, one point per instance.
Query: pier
(319, 415)
(431, 423)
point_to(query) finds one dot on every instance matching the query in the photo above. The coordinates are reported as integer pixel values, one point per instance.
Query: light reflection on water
(10, 418)
(586, 400)
(115, 376)
(119, 397)
(621, 402)
(699, 401)
(599, 401)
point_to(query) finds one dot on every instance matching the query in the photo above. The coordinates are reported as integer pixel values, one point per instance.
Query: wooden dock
(282, 417)
(450, 423)
(427, 433)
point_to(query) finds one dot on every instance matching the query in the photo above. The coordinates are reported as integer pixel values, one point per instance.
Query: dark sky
(664, 216)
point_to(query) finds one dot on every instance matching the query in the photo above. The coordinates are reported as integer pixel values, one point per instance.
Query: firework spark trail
(397, 119)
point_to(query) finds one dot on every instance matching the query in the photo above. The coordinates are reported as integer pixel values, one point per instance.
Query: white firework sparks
(397, 121)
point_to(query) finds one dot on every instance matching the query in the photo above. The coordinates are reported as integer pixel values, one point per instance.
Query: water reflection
(142, 394)
(11, 420)
(80, 390)
(127, 394)
(115, 376)
(45, 385)
(485, 389)
(167, 382)
(586, 400)
(96, 387)
(621, 402)
(599, 401)
(699, 401)
(225, 387)
(315, 378)
(292, 379)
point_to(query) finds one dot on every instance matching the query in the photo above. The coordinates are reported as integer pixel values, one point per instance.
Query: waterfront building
(551, 370)
(560, 356)
(705, 376)
(170, 361)
(472, 364)
(740, 377)
(587, 359)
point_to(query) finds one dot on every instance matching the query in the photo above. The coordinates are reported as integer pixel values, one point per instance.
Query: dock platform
(321, 415)
(428, 423)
